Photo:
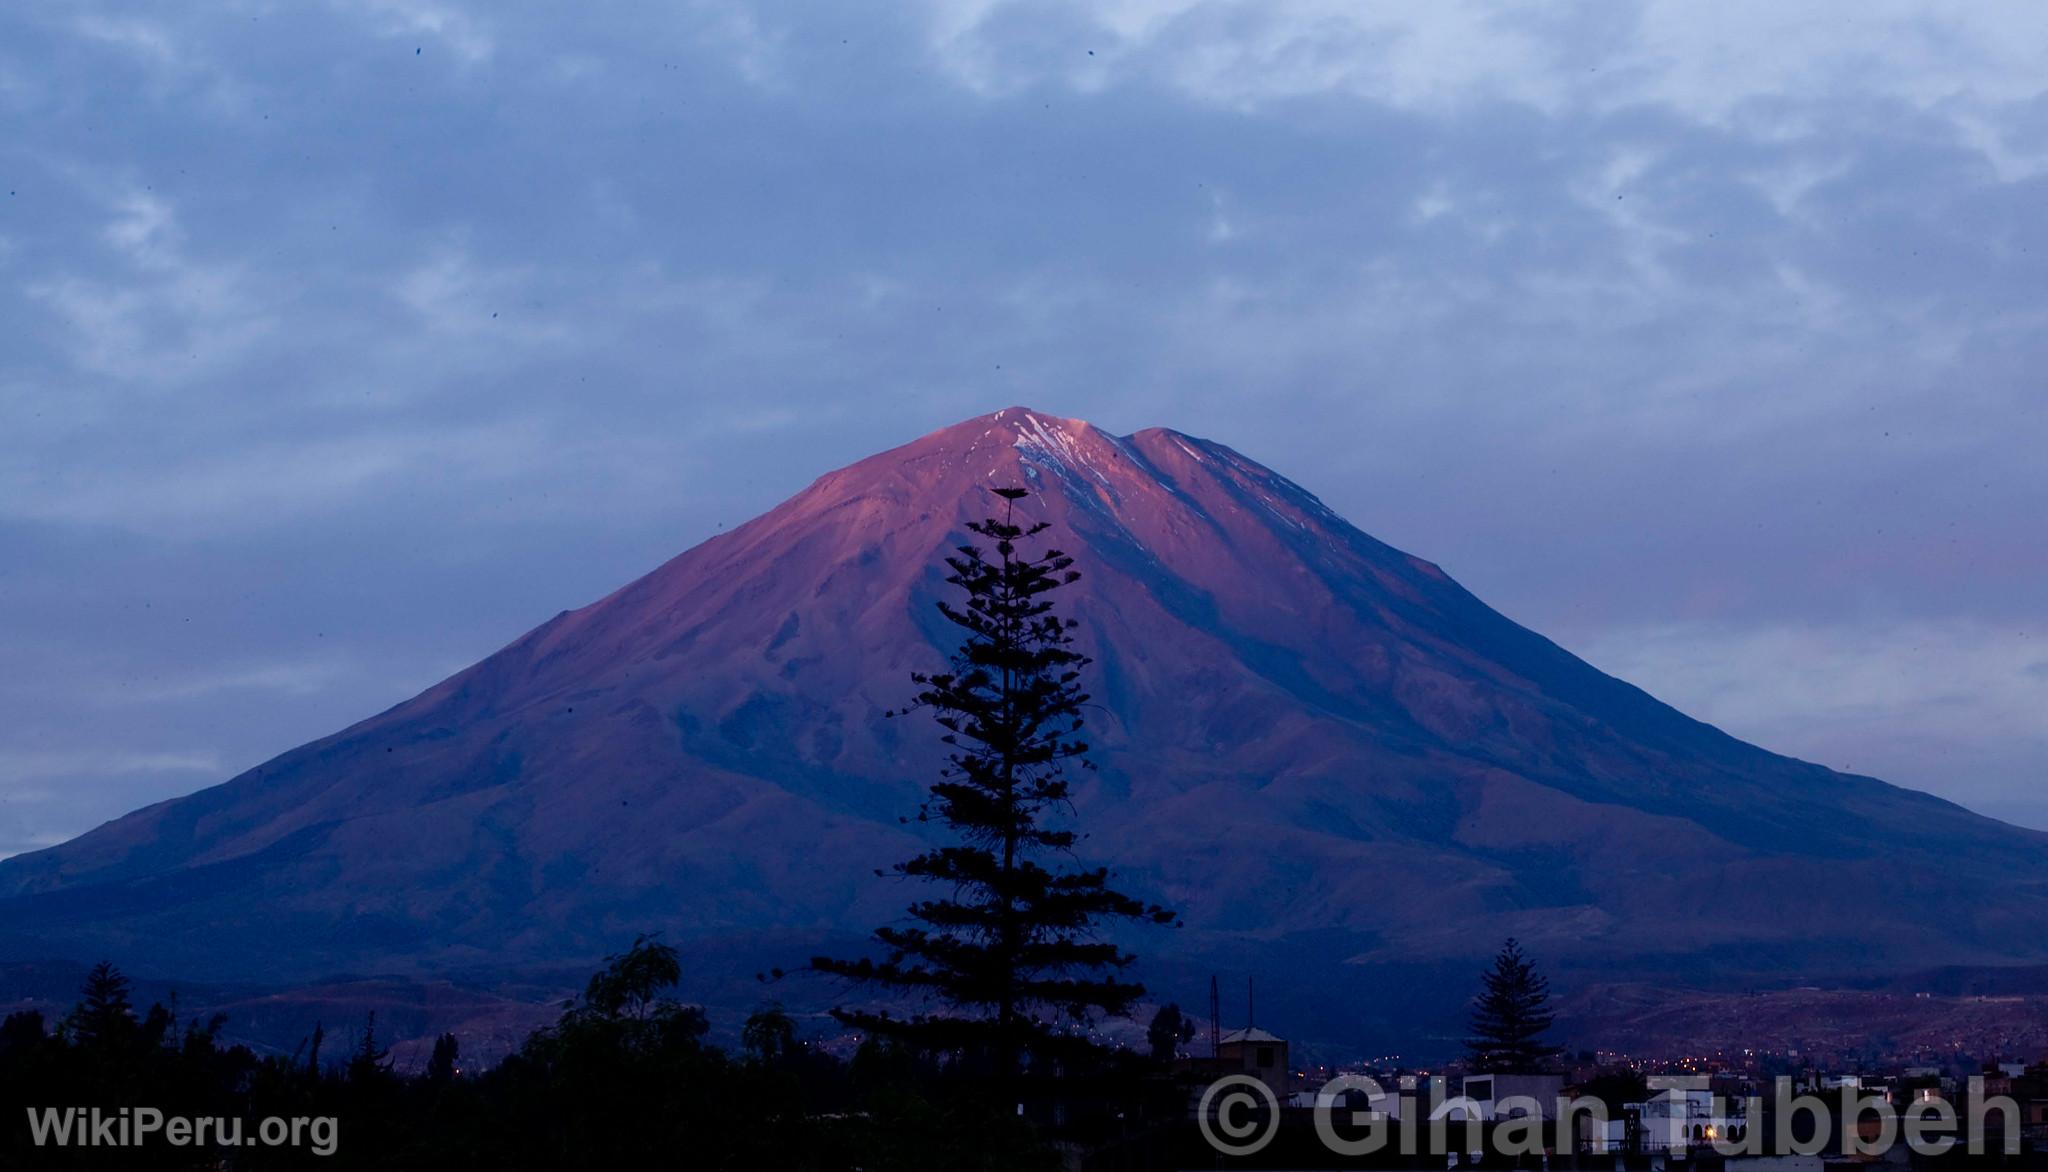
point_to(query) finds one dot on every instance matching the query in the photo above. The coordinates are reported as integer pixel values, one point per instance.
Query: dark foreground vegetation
(625, 1079)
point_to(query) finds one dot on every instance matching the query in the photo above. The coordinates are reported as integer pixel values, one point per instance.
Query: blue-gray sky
(340, 343)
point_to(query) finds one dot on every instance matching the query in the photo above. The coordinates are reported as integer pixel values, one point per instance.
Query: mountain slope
(1319, 747)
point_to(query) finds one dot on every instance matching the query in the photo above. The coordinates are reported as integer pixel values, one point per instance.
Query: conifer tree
(441, 1068)
(104, 1016)
(1011, 949)
(1510, 1015)
(370, 1061)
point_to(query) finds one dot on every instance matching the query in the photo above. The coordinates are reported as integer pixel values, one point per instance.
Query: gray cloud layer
(339, 344)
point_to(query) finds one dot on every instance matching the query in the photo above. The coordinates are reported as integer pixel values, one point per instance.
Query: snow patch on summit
(1079, 458)
(1050, 440)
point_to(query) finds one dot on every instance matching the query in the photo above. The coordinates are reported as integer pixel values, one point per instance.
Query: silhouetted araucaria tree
(1012, 952)
(1510, 1016)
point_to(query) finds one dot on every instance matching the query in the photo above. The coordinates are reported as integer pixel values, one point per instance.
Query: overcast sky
(341, 344)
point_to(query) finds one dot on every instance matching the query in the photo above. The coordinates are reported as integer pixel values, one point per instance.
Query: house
(1255, 1052)
(1680, 1119)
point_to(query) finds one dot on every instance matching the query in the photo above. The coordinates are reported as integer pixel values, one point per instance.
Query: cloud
(1893, 699)
(1710, 63)
(142, 39)
(298, 679)
(44, 793)
(156, 315)
(451, 296)
(144, 230)
(174, 63)
(19, 768)
(1245, 54)
(280, 482)
(460, 32)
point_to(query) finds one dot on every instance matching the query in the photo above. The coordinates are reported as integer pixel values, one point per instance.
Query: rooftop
(1248, 1034)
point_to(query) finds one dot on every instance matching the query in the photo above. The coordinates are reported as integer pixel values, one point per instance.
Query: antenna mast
(1215, 1016)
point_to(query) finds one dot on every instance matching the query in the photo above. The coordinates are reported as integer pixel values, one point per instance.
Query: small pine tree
(1510, 1015)
(1012, 950)
(371, 1060)
(441, 1068)
(104, 1016)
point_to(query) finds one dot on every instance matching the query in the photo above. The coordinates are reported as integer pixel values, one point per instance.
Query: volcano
(1336, 762)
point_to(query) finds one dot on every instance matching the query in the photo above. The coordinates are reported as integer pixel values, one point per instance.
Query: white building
(1680, 1119)
(1490, 1097)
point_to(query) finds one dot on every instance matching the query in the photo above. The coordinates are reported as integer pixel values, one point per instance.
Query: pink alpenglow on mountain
(1342, 768)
